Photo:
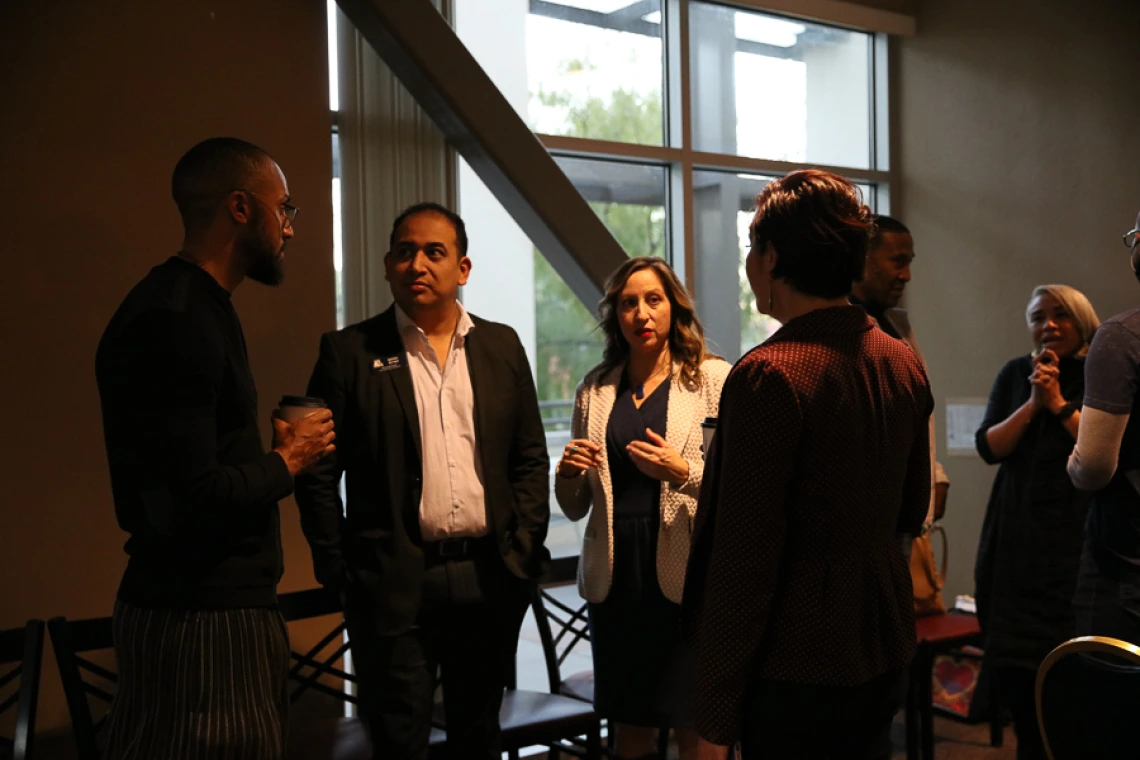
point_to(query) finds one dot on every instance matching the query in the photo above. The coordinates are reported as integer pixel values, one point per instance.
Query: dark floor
(958, 741)
(952, 741)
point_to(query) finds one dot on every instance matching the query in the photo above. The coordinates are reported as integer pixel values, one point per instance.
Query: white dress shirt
(452, 503)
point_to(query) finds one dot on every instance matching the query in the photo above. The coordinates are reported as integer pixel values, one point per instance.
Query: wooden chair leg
(997, 729)
(925, 662)
(594, 742)
(912, 709)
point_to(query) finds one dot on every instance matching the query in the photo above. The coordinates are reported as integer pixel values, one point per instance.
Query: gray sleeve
(1111, 369)
(1094, 459)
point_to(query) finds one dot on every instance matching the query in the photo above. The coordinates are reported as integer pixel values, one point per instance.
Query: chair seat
(579, 686)
(947, 629)
(338, 739)
(328, 739)
(534, 717)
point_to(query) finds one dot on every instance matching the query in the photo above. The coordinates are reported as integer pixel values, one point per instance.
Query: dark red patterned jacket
(821, 459)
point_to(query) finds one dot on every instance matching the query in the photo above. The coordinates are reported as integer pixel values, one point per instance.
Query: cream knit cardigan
(687, 408)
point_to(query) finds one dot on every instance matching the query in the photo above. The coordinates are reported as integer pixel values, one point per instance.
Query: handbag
(926, 577)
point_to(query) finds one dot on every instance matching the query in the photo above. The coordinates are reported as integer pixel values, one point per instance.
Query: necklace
(639, 390)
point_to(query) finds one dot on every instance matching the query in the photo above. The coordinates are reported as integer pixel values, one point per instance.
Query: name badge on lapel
(386, 363)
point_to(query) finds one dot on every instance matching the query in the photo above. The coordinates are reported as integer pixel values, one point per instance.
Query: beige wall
(97, 101)
(1019, 153)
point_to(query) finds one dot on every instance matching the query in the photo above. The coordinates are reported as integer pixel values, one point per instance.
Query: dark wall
(98, 99)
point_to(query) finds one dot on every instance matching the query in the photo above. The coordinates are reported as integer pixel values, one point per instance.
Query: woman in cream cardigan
(636, 459)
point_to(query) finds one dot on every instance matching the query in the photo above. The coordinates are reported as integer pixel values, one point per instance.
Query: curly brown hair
(686, 336)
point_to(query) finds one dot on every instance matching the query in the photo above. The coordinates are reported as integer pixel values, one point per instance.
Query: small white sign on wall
(963, 418)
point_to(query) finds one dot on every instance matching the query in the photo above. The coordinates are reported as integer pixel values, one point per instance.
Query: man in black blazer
(440, 436)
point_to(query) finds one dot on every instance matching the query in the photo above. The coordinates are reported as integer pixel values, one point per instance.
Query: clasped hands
(1045, 382)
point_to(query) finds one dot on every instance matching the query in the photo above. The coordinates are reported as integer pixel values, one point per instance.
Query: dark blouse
(1030, 546)
(635, 493)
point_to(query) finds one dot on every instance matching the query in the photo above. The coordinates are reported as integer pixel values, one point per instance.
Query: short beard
(264, 265)
(266, 269)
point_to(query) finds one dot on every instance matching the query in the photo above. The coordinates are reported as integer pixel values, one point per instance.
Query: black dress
(635, 632)
(1030, 546)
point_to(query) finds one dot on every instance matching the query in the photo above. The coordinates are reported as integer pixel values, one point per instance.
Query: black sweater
(192, 483)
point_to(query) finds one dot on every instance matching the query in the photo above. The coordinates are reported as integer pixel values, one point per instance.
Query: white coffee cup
(708, 428)
(293, 408)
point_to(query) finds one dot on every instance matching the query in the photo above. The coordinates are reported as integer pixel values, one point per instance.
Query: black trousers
(1107, 599)
(1016, 689)
(792, 721)
(202, 684)
(467, 629)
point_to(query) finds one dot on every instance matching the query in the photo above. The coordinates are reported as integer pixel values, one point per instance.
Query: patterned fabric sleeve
(743, 510)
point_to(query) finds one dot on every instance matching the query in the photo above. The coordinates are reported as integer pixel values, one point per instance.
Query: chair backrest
(320, 659)
(560, 626)
(22, 649)
(1087, 692)
(82, 678)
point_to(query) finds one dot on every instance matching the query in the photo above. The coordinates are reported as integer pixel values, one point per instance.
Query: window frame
(681, 159)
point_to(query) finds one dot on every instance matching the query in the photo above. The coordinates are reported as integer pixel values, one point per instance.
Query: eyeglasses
(1130, 238)
(286, 210)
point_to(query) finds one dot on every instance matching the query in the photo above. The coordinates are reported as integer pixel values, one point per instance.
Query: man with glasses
(1107, 460)
(203, 653)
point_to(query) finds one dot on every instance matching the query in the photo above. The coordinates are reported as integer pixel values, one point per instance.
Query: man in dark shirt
(1107, 460)
(203, 653)
(885, 277)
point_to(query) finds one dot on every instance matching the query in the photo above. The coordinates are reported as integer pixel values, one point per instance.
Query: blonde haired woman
(634, 466)
(1031, 540)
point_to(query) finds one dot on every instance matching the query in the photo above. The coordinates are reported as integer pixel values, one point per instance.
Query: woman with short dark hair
(798, 597)
(635, 465)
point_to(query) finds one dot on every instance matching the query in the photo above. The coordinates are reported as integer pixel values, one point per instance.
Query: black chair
(83, 678)
(23, 649)
(333, 737)
(560, 722)
(1087, 692)
(562, 627)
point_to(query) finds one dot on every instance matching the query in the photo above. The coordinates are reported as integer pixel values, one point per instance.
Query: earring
(769, 312)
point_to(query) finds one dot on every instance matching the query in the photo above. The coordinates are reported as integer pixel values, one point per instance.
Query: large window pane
(769, 87)
(629, 198)
(512, 282)
(724, 204)
(580, 68)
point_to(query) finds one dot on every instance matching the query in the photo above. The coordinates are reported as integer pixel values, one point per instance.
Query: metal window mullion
(687, 230)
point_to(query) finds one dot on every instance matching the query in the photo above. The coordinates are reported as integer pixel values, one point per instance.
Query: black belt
(453, 549)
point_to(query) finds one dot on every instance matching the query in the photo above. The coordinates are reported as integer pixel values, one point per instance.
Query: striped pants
(199, 684)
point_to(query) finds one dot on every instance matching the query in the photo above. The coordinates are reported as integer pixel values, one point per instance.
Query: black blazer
(374, 547)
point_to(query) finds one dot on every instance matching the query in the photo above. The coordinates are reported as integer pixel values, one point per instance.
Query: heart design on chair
(954, 682)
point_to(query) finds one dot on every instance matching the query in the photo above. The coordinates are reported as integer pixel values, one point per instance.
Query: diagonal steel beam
(635, 11)
(416, 42)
